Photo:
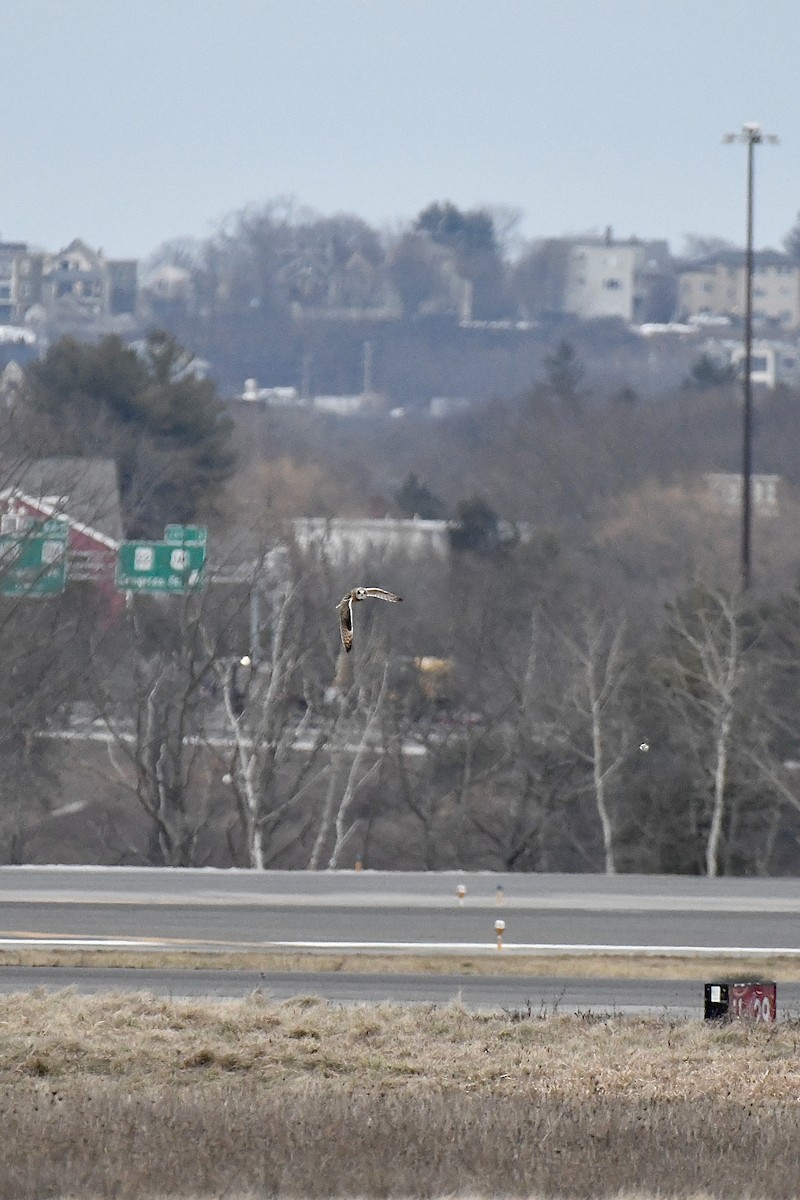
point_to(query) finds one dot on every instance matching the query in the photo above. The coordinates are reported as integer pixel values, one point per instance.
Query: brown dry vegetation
(783, 969)
(135, 1097)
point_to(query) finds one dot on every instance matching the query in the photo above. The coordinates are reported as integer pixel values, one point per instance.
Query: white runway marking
(540, 948)
(533, 948)
(104, 943)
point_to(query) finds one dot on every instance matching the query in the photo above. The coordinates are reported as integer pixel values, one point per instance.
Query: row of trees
(272, 257)
(446, 260)
(567, 697)
(539, 732)
(290, 298)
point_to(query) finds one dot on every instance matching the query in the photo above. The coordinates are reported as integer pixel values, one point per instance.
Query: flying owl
(345, 609)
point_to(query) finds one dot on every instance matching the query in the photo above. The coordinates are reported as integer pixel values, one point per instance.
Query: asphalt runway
(403, 928)
(398, 909)
(515, 995)
(152, 909)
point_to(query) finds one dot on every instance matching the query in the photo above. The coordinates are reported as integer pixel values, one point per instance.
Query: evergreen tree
(415, 499)
(565, 374)
(164, 425)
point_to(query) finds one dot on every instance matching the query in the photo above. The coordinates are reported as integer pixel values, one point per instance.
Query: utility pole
(751, 135)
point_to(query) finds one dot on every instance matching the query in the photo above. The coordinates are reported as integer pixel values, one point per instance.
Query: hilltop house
(76, 281)
(85, 494)
(715, 287)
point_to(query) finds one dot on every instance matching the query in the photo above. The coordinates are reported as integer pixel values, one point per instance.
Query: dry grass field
(138, 1098)
(785, 969)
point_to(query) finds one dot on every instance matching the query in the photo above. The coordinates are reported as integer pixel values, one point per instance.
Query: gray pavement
(401, 908)
(515, 995)
(402, 911)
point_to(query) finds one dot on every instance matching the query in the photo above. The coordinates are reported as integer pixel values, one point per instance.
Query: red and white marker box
(757, 1001)
(742, 1000)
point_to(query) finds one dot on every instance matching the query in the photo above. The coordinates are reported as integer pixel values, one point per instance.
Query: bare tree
(438, 769)
(542, 773)
(355, 706)
(599, 740)
(43, 644)
(47, 639)
(357, 776)
(277, 732)
(158, 745)
(770, 749)
(705, 675)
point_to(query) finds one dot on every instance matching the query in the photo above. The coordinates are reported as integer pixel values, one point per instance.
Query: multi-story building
(94, 285)
(772, 361)
(20, 281)
(608, 278)
(77, 276)
(715, 286)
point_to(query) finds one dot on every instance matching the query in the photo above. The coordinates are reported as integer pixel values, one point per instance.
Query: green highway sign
(34, 563)
(186, 535)
(160, 566)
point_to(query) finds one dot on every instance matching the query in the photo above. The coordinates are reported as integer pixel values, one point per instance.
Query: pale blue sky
(131, 122)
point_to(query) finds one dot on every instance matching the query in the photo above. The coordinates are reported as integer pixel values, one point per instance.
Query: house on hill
(85, 494)
(715, 286)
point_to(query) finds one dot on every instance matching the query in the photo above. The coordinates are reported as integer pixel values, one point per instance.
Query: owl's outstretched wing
(382, 594)
(346, 623)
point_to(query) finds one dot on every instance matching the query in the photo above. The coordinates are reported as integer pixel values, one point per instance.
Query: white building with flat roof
(715, 286)
(342, 538)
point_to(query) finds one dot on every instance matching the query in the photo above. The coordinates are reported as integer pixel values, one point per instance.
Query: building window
(612, 285)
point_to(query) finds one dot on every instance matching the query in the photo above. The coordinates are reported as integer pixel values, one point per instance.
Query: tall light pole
(751, 135)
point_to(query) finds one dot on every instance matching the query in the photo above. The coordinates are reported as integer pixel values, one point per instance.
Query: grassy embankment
(134, 1097)
(610, 966)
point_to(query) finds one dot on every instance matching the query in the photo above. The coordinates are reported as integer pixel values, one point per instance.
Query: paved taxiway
(152, 909)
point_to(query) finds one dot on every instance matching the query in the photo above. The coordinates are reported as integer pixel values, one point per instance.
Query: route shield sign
(34, 563)
(160, 567)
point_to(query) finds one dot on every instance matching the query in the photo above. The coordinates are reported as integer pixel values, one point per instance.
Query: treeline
(289, 297)
(501, 718)
(579, 684)
(445, 262)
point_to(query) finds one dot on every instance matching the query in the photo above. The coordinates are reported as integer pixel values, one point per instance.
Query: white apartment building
(608, 278)
(600, 280)
(77, 276)
(341, 539)
(715, 286)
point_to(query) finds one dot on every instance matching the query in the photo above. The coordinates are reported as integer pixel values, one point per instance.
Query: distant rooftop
(86, 488)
